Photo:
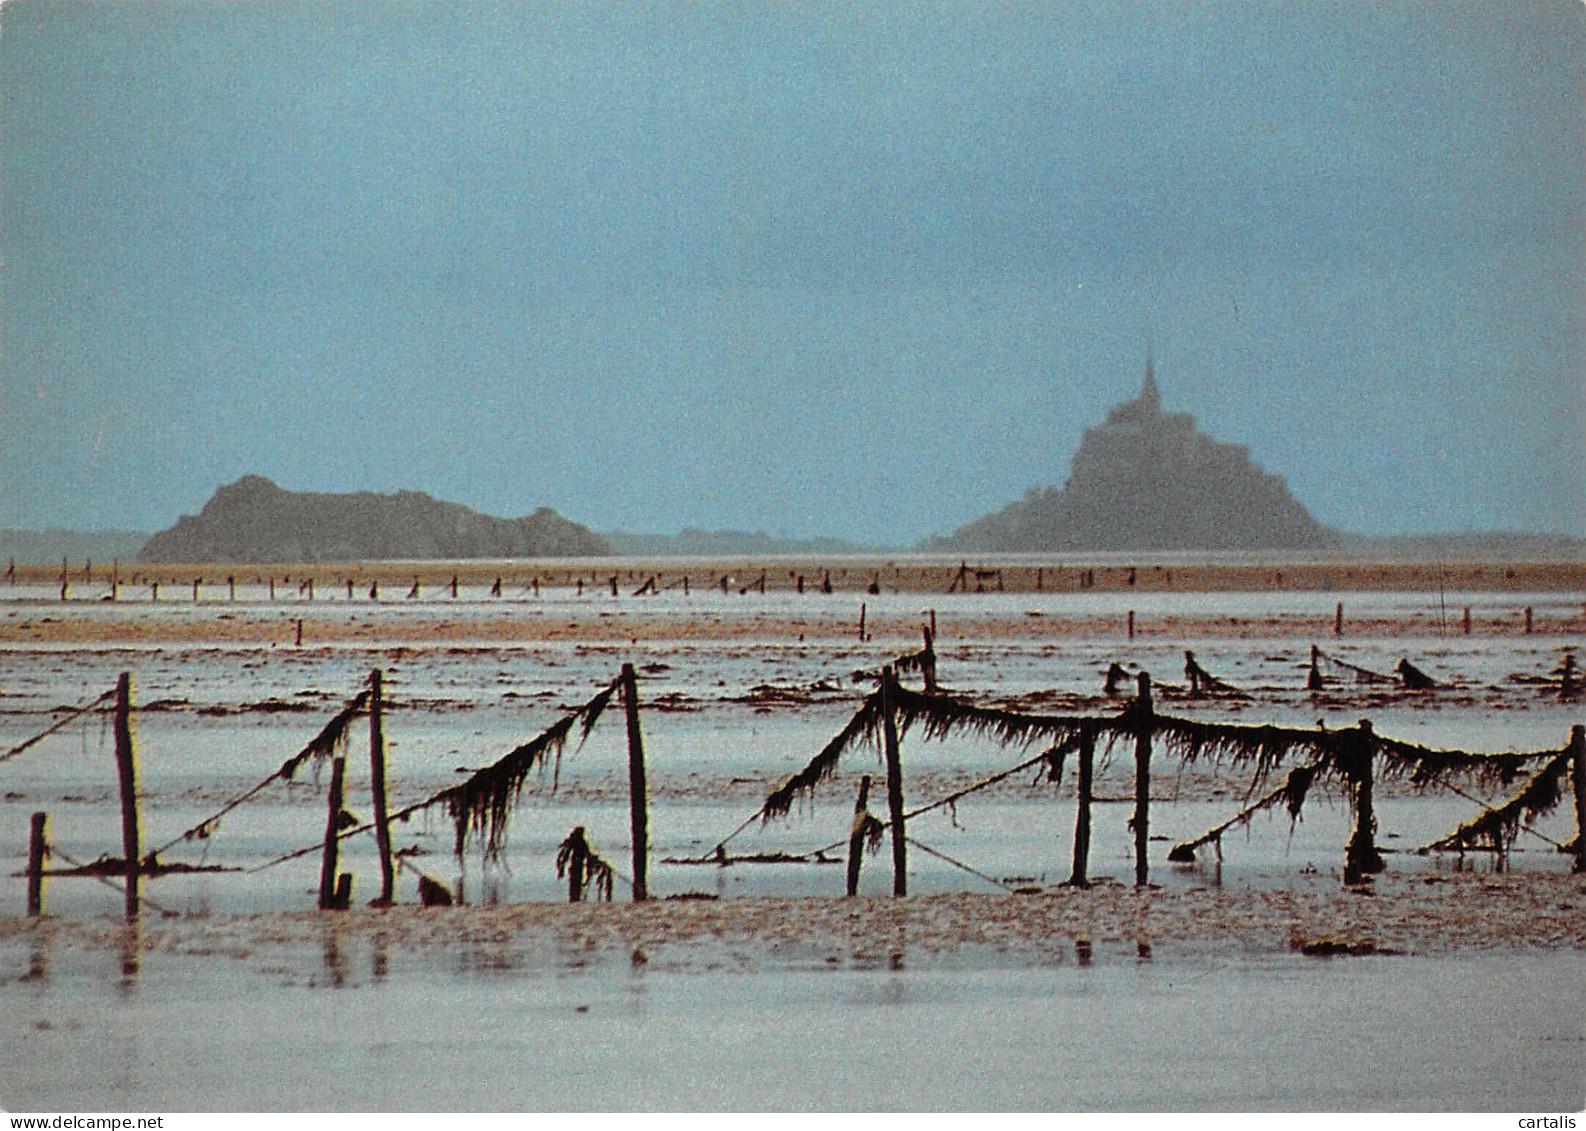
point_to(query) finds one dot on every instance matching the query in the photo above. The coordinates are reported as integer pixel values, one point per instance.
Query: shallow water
(359, 1031)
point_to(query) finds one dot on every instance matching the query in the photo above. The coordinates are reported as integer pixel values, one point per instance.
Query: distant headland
(253, 520)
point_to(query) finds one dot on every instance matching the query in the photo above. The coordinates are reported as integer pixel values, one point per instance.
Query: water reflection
(38, 961)
(335, 961)
(131, 956)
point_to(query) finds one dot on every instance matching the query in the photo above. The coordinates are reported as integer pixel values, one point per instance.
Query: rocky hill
(254, 520)
(1145, 479)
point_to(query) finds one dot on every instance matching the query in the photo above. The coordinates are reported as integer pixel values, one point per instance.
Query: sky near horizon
(864, 271)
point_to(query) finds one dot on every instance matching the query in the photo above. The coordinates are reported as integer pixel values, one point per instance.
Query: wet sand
(1404, 914)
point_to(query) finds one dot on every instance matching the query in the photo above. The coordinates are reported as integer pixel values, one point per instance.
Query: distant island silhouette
(253, 520)
(1146, 480)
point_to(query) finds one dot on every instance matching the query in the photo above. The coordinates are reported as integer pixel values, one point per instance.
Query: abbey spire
(1150, 398)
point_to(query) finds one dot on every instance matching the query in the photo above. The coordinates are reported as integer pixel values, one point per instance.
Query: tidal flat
(1249, 978)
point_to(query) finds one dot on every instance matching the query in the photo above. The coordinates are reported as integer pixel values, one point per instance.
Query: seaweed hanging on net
(862, 727)
(1055, 757)
(1265, 745)
(1426, 767)
(939, 716)
(1324, 666)
(328, 741)
(589, 870)
(1496, 828)
(1202, 682)
(871, 829)
(1414, 678)
(483, 803)
(1296, 786)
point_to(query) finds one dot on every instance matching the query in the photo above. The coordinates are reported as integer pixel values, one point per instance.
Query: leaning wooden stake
(382, 823)
(1361, 858)
(127, 769)
(1577, 769)
(327, 868)
(856, 837)
(577, 850)
(889, 726)
(1142, 782)
(38, 852)
(638, 803)
(1087, 761)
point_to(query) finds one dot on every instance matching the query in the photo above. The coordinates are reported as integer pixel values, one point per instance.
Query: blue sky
(865, 271)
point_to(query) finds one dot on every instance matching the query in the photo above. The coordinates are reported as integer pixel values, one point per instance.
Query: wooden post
(1465, 624)
(231, 587)
(577, 860)
(327, 868)
(900, 873)
(382, 826)
(38, 852)
(1528, 620)
(1577, 770)
(861, 622)
(928, 660)
(638, 800)
(1131, 624)
(856, 836)
(1361, 858)
(1338, 619)
(1087, 762)
(343, 891)
(1142, 781)
(127, 769)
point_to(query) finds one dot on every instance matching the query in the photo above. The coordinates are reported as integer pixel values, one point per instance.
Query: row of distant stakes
(480, 808)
